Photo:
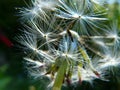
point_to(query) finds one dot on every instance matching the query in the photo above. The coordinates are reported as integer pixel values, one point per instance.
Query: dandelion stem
(60, 76)
(91, 49)
(84, 55)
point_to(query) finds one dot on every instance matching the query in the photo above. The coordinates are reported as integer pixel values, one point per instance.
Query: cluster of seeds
(67, 41)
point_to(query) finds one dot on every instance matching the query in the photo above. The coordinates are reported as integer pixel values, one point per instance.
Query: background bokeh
(12, 73)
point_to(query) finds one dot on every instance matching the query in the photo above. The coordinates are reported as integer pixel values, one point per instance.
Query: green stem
(87, 59)
(60, 76)
(84, 54)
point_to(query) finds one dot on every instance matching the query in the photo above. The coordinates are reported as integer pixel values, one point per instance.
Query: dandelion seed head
(113, 33)
(38, 8)
(78, 13)
(67, 49)
(59, 41)
(108, 66)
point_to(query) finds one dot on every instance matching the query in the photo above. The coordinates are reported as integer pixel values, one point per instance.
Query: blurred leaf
(4, 79)
(4, 82)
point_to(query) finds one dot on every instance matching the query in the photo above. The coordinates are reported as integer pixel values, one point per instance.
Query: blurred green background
(12, 73)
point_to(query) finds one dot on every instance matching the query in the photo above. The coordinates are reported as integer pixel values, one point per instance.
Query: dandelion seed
(83, 19)
(113, 33)
(38, 9)
(28, 41)
(45, 32)
(67, 49)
